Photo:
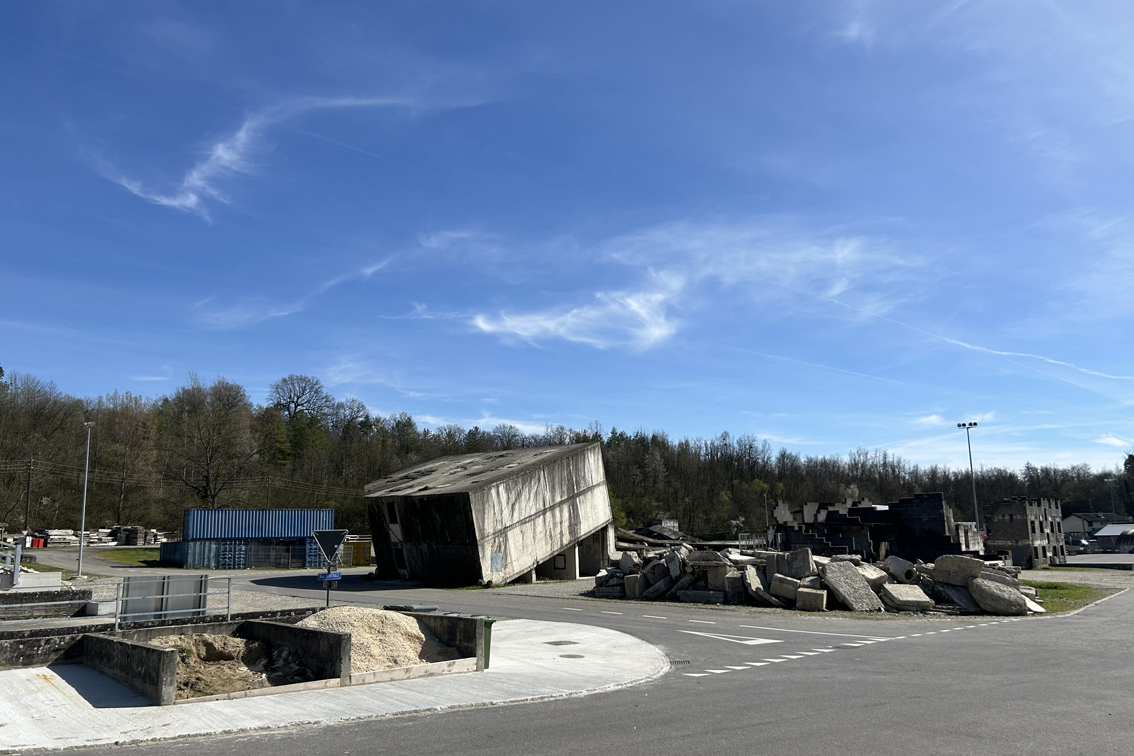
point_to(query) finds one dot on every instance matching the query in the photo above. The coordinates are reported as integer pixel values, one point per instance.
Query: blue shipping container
(244, 524)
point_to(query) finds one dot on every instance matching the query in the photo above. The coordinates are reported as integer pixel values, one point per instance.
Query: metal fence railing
(167, 597)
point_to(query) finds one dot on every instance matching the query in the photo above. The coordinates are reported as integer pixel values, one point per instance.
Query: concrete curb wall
(13, 604)
(325, 653)
(149, 670)
(466, 634)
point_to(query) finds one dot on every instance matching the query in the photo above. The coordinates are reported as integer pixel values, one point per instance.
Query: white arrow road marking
(775, 660)
(852, 645)
(788, 656)
(717, 671)
(757, 664)
(696, 674)
(823, 650)
(731, 667)
(742, 639)
(809, 653)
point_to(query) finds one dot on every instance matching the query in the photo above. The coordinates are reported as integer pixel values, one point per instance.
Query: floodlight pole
(83, 517)
(972, 474)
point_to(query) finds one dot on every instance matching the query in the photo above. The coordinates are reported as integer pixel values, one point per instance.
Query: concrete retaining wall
(149, 670)
(466, 634)
(325, 653)
(14, 604)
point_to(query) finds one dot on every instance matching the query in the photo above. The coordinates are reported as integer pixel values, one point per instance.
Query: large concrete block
(784, 587)
(685, 583)
(798, 564)
(905, 598)
(754, 585)
(674, 562)
(705, 558)
(850, 587)
(633, 586)
(610, 591)
(943, 593)
(630, 563)
(702, 597)
(715, 576)
(957, 570)
(734, 587)
(900, 569)
(874, 576)
(810, 600)
(655, 571)
(814, 582)
(999, 577)
(658, 589)
(995, 598)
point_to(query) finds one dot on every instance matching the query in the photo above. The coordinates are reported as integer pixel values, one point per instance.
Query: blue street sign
(329, 576)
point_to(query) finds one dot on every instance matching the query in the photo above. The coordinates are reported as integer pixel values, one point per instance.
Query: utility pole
(122, 486)
(27, 504)
(972, 475)
(83, 517)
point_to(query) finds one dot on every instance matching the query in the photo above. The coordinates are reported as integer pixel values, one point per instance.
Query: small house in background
(234, 539)
(1083, 526)
(494, 517)
(1117, 537)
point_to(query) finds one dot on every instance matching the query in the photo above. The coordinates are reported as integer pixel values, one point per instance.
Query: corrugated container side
(244, 524)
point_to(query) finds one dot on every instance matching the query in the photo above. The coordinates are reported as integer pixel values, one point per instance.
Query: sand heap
(380, 639)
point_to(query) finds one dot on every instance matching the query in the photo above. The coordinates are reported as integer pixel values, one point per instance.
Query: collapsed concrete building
(493, 518)
(1031, 530)
(914, 527)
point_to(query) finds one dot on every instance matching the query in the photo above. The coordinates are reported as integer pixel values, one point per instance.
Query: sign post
(331, 544)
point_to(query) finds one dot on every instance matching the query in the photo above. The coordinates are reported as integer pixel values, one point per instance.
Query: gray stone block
(957, 570)
(734, 587)
(704, 558)
(658, 589)
(754, 586)
(943, 593)
(633, 586)
(702, 597)
(685, 583)
(810, 600)
(814, 582)
(673, 561)
(875, 577)
(905, 598)
(854, 559)
(798, 564)
(715, 576)
(995, 598)
(999, 577)
(655, 571)
(850, 587)
(630, 563)
(784, 587)
(1028, 591)
(610, 592)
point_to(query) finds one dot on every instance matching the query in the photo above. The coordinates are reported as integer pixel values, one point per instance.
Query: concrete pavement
(71, 706)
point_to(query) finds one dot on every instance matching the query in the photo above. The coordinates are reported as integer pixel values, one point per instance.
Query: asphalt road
(839, 685)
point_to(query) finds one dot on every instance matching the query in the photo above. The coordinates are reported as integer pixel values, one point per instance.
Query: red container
(37, 543)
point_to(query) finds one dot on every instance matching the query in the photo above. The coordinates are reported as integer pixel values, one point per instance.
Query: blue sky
(828, 224)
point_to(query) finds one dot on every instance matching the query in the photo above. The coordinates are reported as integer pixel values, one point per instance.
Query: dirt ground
(209, 665)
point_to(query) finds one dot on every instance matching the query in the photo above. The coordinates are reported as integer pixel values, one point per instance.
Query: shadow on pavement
(349, 583)
(97, 689)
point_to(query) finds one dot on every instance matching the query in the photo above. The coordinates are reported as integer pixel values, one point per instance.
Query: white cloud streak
(1113, 441)
(231, 156)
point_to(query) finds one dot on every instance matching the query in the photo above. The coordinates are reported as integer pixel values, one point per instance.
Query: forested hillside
(208, 445)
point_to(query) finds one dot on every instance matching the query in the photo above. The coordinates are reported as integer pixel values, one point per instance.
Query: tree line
(206, 444)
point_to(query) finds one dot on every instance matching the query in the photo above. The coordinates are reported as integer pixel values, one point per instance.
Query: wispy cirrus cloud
(214, 312)
(231, 156)
(639, 319)
(1110, 440)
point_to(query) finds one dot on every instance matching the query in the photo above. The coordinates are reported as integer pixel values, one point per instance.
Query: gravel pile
(381, 639)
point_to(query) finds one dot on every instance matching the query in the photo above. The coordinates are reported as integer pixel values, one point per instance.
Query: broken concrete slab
(702, 597)
(784, 587)
(854, 559)
(797, 564)
(1028, 591)
(943, 593)
(704, 558)
(685, 583)
(673, 561)
(814, 582)
(820, 561)
(850, 587)
(659, 588)
(630, 563)
(905, 598)
(734, 587)
(1034, 607)
(1000, 577)
(754, 585)
(655, 571)
(957, 570)
(810, 600)
(900, 569)
(633, 586)
(610, 592)
(995, 598)
(715, 576)
(874, 576)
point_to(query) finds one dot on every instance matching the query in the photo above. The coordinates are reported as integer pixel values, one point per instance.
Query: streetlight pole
(83, 518)
(972, 474)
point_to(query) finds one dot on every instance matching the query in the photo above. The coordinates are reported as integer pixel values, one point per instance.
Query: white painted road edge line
(814, 632)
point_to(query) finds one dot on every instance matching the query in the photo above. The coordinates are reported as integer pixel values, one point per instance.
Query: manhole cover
(570, 656)
(561, 643)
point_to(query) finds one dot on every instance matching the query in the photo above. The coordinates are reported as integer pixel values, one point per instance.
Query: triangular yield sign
(329, 542)
(743, 639)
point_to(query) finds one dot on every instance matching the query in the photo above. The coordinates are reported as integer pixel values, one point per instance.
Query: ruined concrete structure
(1030, 529)
(914, 527)
(494, 517)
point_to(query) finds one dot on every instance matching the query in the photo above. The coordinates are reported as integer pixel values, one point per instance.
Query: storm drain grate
(675, 663)
(561, 643)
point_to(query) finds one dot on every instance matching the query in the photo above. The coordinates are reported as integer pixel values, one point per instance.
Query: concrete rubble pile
(799, 580)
